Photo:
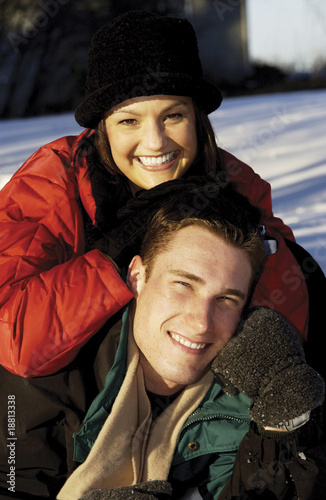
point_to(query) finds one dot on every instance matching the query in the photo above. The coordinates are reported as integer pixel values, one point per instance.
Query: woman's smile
(162, 162)
(152, 139)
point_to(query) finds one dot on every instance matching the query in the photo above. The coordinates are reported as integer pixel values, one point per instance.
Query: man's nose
(154, 136)
(200, 316)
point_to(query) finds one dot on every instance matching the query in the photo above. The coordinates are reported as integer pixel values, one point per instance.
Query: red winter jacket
(54, 297)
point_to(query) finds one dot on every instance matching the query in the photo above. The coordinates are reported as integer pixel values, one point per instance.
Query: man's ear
(136, 275)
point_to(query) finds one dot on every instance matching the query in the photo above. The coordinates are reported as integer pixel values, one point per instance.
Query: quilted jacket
(219, 450)
(54, 296)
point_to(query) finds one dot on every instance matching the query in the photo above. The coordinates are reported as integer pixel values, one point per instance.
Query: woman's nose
(154, 137)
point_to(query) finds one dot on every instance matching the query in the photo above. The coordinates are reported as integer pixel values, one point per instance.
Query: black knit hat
(143, 54)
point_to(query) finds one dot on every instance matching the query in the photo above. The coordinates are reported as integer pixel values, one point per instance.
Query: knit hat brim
(143, 54)
(204, 93)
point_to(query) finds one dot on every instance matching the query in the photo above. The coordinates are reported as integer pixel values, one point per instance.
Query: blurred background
(247, 47)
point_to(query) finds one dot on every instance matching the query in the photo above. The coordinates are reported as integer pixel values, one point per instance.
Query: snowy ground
(282, 136)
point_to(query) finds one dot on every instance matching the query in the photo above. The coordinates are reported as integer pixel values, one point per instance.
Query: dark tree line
(44, 47)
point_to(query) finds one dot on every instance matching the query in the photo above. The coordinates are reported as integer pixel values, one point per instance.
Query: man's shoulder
(107, 341)
(216, 400)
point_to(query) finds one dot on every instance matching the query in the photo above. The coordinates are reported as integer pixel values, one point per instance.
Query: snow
(281, 136)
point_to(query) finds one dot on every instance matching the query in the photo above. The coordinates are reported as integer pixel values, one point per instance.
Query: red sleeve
(282, 285)
(258, 192)
(52, 297)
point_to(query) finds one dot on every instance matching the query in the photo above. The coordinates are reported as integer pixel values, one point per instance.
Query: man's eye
(225, 299)
(183, 283)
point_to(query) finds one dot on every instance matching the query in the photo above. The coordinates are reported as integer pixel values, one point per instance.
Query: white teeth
(153, 161)
(186, 343)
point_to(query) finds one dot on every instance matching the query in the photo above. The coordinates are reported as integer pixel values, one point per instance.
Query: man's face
(189, 308)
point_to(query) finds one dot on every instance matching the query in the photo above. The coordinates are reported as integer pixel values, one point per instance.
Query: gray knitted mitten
(265, 361)
(150, 490)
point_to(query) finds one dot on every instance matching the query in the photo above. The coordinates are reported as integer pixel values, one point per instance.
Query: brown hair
(208, 159)
(224, 212)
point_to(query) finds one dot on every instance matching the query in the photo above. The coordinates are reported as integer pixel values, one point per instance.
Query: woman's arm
(281, 286)
(52, 297)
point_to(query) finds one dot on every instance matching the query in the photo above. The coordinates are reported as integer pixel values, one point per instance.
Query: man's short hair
(213, 206)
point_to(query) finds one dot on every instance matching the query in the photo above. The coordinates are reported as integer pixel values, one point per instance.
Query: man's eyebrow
(186, 275)
(236, 292)
(198, 279)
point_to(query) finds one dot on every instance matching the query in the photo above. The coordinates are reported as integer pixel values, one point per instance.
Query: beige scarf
(129, 450)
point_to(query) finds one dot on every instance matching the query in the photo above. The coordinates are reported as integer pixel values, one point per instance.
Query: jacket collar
(101, 193)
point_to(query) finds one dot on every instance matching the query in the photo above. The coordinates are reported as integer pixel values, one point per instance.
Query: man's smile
(192, 345)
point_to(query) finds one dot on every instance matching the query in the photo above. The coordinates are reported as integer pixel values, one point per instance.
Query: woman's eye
(128, 121)
(174, 116)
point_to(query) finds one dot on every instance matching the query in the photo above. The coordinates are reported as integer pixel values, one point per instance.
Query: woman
(72, 213)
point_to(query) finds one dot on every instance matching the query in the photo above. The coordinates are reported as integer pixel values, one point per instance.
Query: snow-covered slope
(282, 136)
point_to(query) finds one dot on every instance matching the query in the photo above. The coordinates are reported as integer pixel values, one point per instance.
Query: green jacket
(207, 444)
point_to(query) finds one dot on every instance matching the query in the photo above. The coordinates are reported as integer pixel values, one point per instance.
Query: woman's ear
(136, 275)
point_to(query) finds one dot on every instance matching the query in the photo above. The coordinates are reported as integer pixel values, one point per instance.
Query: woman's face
(152, 139)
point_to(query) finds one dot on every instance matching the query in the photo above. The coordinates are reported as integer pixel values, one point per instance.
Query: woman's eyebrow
(126, 110)
(134, 112)
(176, 104)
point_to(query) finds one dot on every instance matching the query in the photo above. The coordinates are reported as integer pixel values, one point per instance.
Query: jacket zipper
(211, 417)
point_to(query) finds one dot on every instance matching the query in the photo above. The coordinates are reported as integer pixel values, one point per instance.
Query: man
(159, 413)
(167, 419)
